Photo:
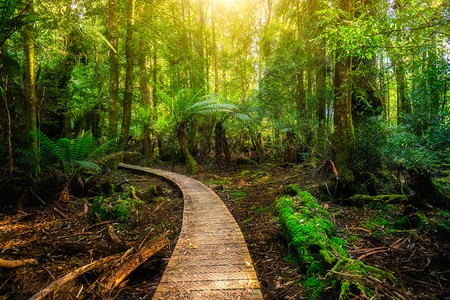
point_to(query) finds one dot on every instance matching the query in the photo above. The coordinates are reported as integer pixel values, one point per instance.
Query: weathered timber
(211, 259)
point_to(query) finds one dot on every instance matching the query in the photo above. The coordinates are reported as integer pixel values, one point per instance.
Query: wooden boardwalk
(211, 259)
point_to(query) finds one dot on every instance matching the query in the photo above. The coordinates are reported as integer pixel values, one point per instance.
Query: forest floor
(64, 235)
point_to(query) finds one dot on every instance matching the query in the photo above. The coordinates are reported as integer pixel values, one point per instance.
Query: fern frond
(120, 155)
(102, 147)
(88, 165)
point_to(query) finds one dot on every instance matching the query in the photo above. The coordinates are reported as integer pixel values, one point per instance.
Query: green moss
(154, 190)
(245, 172)
(113, 209)
(248, 220)
(365, 199)
(357, 278)
(238, 195)
(292, 190)
(223, 181)
(311, 233)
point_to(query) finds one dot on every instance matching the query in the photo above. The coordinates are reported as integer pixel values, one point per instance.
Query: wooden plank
(211, 259)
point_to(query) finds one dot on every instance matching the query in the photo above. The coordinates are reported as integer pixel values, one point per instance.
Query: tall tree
(129, 75)
(29, 81)
(344, 133)
(113, 68)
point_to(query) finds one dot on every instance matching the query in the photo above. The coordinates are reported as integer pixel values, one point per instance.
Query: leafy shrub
(403, 149)
(370, 137)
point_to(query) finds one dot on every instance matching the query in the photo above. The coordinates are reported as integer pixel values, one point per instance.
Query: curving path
(211, 259)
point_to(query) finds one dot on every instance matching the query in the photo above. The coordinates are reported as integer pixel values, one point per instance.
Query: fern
(72, 156)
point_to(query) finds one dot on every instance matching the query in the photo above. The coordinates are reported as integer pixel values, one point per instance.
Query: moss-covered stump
(424, 190)
(310, 231)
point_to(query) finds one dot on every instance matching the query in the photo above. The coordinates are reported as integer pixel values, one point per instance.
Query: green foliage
(115, 208)
(370, 139)
(72, 156)
(404, 149)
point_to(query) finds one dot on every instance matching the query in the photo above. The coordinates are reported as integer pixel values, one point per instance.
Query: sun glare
(226, 2)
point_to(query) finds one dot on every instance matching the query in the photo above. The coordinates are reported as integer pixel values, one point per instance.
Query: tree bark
(223, 154)
(403, 107)
(29, 83)
(191, 163)
(344, 135)
(322, 98)
(128, 93)
(114, 69)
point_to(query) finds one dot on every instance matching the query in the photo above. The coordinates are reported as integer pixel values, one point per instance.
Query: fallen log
(16, 263)
(133, 261)
(72, 275)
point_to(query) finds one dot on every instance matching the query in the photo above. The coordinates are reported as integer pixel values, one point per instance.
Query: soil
(69, 237)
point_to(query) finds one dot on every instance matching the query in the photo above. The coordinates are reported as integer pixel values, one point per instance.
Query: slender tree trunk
(129, 77)
(322, 97)
(114, 69)
(97, 109)
(29, 82)
(191, 163)
(403, 107)
(214, 42)
(144, 86)
(223, 154)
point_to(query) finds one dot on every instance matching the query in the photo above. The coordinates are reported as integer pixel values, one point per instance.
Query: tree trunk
(214, 44)
(128, 93)
(403, 107)
(344, 135)
(290, 148)
(191, 163)
(322, 97)
(114, 69)
(144, 86)
(223, 154)
(29, 83)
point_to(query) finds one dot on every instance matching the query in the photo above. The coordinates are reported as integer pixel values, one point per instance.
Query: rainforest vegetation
(323, 125)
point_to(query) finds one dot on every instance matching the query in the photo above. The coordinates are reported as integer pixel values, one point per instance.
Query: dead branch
(16, 263)
(147, 250)
(113, 236)
(72, 275)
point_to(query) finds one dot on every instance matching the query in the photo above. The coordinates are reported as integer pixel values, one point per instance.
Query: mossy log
(310, 231)
(359, 200)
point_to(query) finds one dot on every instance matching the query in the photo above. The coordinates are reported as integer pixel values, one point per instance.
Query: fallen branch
(147, 250)
(60, 213)
(113, 236)
(16, 263)
(72, 275)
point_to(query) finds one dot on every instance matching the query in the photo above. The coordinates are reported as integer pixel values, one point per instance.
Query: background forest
(356, 92)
